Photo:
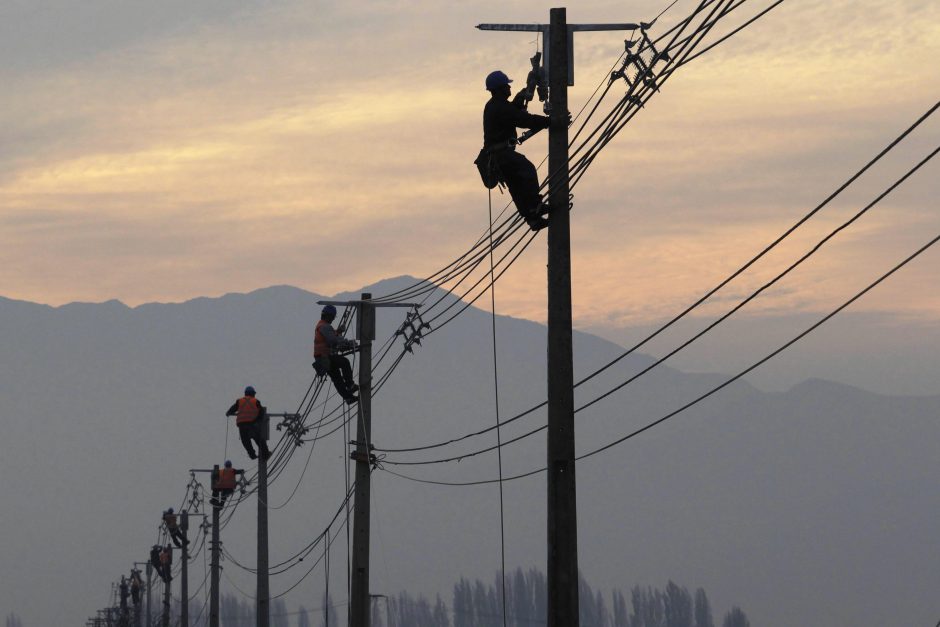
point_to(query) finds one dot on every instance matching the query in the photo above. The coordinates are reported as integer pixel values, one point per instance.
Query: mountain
(811, 506)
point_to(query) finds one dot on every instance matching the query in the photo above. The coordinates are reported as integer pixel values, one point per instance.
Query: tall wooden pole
(214, 568)
(166, 590)
(359, 605)
(149, 584)
(562, 507)
(184, 572)
(263, 600)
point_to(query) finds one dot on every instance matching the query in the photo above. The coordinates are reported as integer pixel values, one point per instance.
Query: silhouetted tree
(703, 610)
(303, 619)
(677, 606)
(736, 618)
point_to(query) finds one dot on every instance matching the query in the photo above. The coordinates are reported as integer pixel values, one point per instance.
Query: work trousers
(340, 372)
(522, 179)
(223, 493)
(251, 432)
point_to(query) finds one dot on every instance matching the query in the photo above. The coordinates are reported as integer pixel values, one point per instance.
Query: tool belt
(486, 165)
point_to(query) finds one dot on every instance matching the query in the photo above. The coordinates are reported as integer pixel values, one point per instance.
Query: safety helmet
(329, 311)
(169, 510)
(228, 463)
(249, 391)
(496, 79)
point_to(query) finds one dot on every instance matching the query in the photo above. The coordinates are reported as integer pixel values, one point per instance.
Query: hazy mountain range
(812, 506)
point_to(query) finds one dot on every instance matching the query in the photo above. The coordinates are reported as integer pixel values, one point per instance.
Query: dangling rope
(225, 455)
(499, 443)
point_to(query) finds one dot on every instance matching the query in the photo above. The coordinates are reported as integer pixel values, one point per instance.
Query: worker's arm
(522, 118)
(233, 409)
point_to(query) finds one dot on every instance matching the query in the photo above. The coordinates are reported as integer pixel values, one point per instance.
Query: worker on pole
(223, 483)
(249, 416)
(173, 528)
(501, 118)
(136, 585)
(166, 563)
(326, 342)
(156, 553)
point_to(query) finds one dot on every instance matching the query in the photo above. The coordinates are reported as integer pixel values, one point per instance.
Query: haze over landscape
(181, 182)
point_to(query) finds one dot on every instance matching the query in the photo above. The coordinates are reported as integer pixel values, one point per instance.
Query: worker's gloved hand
(562, 122)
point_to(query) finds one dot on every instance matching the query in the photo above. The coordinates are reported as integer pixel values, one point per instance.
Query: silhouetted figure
(326, 341)
(249, 414)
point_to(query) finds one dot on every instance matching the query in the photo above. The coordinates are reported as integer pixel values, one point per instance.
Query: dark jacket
(501, 118)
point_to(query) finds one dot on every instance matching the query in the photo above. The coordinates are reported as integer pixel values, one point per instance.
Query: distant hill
(814, 506)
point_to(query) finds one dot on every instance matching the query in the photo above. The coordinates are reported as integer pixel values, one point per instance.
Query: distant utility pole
(137, 610)
(360, 614)
(562, 592)
(263, 603)
(166, 588)
(184, 574)
(214, 564)
(149, 583)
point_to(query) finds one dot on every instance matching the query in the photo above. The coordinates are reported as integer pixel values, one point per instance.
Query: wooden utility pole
(166, 588)
(562, 577)
(263, 595)
(558, 52)
(214, 566)
(184, 573)
(149, 584)
(360, 614)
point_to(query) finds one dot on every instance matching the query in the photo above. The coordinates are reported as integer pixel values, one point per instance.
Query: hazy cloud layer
(159, 152)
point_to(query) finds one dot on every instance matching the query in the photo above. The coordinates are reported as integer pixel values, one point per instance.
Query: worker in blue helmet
(501, 118)
(326, 359)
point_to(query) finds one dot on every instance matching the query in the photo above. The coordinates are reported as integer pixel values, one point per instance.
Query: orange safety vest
(226, 479)
(248, 410)
(320, 346)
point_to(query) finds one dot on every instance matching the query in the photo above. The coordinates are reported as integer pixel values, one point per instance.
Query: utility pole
(166, 588)
(184, 574)
(360, 614)
(562, 591)
(214, 566)
(149, 583)
(263, 602)
(137, 610)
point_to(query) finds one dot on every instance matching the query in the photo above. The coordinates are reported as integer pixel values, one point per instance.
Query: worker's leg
(245, 433)
(336, 376)
(522, 179)
(225, 494)
(262, 445)
(345, 369)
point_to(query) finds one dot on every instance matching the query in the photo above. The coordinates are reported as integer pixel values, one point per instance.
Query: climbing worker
(223, 483)
(124, 592)
(325, 342)
(249, 416)
(173, 528)
(166, 564)
(156, 560)
(501, 117)
(135, 587)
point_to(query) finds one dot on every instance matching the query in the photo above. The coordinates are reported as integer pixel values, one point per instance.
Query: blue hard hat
(329, 311)
(249, 391)
(169, 510)
(228, 463)
(496, 79)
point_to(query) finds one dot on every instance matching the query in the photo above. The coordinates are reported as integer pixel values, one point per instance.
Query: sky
(164, 151)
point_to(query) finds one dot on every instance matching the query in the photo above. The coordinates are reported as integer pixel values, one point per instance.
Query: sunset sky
(163, 151)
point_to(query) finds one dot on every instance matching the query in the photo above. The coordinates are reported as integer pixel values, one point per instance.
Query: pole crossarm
(357, 303)
(545, 30)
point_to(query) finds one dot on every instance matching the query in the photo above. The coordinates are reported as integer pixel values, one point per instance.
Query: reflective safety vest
(226, 479)
(320, 346)
(248, 410)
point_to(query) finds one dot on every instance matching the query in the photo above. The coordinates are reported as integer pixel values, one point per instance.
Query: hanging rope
(499, 444)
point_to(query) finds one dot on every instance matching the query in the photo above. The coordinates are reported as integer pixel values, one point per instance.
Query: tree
(14, 621)
(279, 616)
(303, 619)
(621, 618)
(736, 618)
(330, 619)
(703, 610)
(677, 606)
(463, 604)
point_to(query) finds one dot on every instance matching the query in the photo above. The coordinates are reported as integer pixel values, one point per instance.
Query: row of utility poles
(562, 539)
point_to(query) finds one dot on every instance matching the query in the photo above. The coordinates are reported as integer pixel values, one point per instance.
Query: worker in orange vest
(326, 341)
(223, 483)
(249, 416)
(173, 528)
(166, 564)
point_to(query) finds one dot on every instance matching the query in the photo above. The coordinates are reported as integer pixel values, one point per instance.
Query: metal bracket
(412, 329)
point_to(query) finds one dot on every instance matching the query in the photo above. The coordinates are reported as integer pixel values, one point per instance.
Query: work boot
(353, 388)
(352, 400)
(252, 454)
(536, 223)
(266, 453)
